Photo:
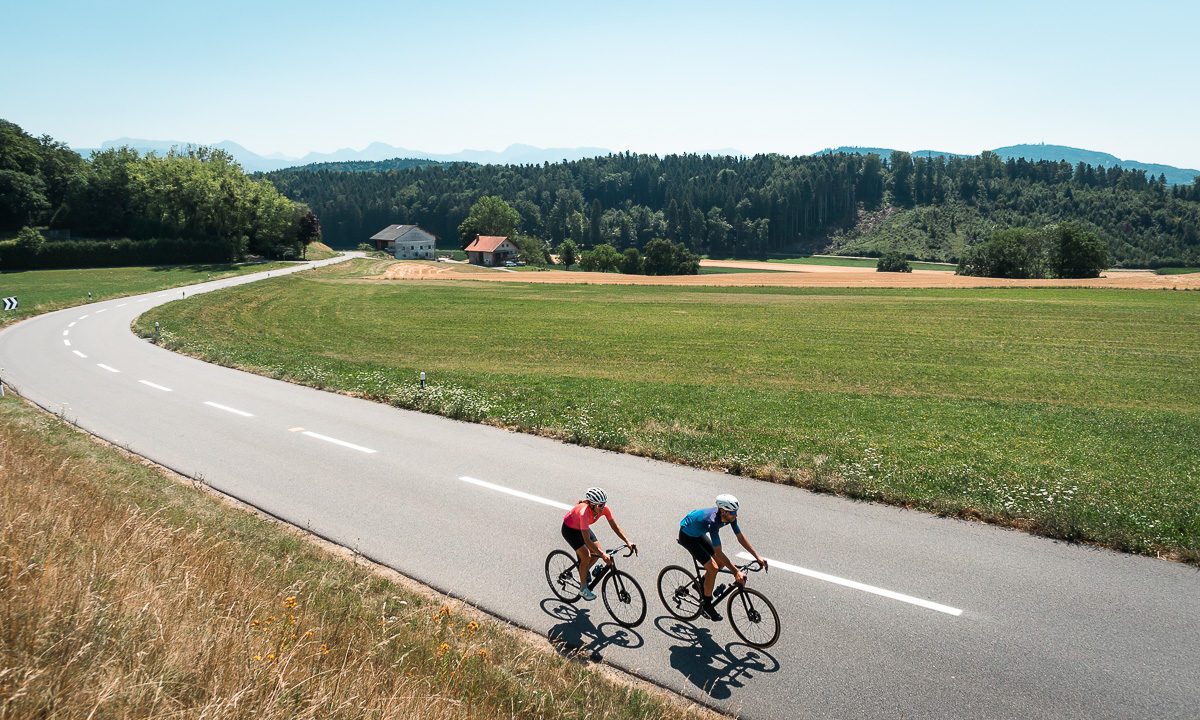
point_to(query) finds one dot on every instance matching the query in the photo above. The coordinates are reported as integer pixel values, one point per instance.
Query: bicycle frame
(753, 566)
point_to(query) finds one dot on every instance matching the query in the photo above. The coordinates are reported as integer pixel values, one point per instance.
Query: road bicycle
(622, 595)
(751, 614)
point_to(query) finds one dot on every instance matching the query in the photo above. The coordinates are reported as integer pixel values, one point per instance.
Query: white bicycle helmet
(727, 502)
(596, 496)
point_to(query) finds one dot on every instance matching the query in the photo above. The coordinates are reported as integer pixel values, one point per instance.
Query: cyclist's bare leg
(586, 558)
(710, 576)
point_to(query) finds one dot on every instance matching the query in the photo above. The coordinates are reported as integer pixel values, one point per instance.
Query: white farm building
(406, 242)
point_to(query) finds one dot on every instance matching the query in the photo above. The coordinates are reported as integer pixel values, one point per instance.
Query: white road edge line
(226, 408)
(79, 354)
(343, 443)
(858, 586)
(102, 366)
(517, 493)
(156, 386)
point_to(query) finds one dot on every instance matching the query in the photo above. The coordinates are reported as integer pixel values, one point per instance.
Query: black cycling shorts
(574, 537)
(700, 547)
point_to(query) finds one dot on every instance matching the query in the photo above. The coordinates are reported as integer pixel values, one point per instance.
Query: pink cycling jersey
(580, 517)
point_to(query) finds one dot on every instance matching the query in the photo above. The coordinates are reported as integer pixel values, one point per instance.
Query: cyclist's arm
(746, 544)
(620, 533)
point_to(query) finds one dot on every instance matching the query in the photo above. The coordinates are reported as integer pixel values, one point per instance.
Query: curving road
(887, 613)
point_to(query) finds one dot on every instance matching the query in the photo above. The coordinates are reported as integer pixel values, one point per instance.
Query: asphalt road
(1014, 626)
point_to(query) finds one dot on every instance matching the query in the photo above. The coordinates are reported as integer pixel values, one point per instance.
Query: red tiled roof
(486, 243)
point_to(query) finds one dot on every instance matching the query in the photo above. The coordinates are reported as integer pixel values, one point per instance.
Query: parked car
(514, 263)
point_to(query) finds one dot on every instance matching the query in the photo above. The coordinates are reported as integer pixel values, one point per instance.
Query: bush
(893, 261)
(365, 247)
(568, 253)
(1076, 253)
(631, 262)
(1015, 253)
(531, 250)
(664, 257)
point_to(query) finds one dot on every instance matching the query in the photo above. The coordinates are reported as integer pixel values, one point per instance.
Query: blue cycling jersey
(698, 522)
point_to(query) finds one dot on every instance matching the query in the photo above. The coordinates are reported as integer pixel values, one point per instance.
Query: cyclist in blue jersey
(693, 530)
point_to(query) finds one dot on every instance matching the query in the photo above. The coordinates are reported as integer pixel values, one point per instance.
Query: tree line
(185, 206)
(929, 208)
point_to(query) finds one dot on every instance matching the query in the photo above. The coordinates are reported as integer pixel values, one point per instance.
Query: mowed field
(40, 291)
(1070, 412)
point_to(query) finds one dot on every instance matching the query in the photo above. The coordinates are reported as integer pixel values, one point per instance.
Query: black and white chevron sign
(10, 303)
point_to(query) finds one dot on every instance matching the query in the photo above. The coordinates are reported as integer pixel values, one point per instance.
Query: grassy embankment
(1069, 412)
(40, 291)
(127, 594)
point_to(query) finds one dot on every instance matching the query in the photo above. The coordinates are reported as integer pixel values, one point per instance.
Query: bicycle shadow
(577, 637)
(715, 670)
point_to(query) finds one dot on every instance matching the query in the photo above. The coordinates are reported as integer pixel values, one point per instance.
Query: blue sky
(658, 77)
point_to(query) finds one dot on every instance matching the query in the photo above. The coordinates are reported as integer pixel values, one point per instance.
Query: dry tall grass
(124, 594)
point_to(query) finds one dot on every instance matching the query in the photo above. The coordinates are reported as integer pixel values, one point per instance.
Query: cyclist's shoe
(710, 611)
(587, 594)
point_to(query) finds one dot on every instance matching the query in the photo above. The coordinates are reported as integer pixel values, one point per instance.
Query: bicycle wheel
(562, 574)
(753, 617)
(624, 598)
(679, 591)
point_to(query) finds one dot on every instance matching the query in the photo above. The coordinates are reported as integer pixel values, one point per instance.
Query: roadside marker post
(422, 379)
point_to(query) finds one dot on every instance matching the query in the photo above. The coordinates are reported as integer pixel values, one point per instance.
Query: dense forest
(189, 206)
(928, 208)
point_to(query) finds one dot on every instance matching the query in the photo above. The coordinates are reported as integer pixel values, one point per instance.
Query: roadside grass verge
(41, 291)
(1068, 412)
(125, 593)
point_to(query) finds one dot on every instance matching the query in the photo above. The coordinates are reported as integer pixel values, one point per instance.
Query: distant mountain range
(528, 154)
(253, 162)
(1055, 153)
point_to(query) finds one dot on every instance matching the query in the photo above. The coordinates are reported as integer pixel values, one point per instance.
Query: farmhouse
(406, 242)
(491, 250)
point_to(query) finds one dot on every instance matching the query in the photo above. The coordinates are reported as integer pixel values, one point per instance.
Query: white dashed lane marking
(516, 493)
(858, 586)
(79, 354)
(228, 409)
(335, 441)
(156, 386)
(102, 366)
(66, 342)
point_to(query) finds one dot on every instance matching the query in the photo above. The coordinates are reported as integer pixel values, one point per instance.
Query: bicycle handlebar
(628, 551)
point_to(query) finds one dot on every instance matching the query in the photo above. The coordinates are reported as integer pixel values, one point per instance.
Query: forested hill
(931, 208)
(367, 165)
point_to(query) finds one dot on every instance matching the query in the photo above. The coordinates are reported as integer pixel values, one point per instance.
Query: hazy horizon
(790, 78)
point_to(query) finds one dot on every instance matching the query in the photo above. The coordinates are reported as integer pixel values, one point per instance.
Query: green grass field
(1177, 270)
(40, 291)
(726, 270)
(857, 262)
(1070, 412)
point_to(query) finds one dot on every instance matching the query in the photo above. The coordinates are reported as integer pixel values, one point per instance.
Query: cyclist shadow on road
(714, 669)
(579, 638)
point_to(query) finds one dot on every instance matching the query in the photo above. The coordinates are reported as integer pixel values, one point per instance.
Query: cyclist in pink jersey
(577, 532)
